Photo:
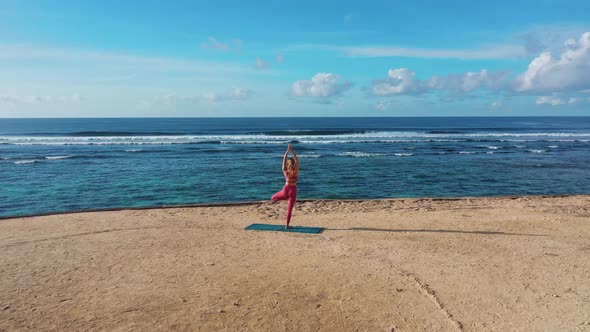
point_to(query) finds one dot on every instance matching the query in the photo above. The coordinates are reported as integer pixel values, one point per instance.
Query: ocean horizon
(66, 164)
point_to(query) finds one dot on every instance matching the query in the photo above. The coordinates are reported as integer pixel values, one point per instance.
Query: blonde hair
(291, 163)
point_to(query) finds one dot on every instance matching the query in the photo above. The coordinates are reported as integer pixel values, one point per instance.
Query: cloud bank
(403, 81)
(555, 100)
(562, 77)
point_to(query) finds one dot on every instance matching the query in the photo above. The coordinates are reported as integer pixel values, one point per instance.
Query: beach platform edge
(247, 203)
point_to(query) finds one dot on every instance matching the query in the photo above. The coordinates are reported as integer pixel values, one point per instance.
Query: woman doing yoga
(289, 192)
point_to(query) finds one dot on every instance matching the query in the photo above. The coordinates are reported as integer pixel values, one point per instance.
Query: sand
(473, 264)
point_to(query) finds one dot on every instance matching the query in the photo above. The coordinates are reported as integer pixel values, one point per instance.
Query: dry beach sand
(473, 264)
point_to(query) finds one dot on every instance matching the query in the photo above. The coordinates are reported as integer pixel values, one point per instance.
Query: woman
(289, 192)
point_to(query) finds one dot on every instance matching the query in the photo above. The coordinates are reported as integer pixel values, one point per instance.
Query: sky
(304, 58)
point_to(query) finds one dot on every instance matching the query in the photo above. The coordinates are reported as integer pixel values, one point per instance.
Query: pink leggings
(290, 193)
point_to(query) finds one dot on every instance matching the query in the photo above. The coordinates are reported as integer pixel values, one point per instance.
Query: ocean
(53, 165)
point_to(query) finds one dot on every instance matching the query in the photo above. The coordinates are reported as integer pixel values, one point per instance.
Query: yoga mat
(281, 228)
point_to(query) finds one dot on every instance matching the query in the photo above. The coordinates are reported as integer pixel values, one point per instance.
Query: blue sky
(304, 58)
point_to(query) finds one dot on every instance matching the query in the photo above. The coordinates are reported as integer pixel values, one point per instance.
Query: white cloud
(212, 97)
(32, 100)
(469, 81)
(322, 86)
(488, 52)
(404, 81)
(261, 64)
(128, 61)
(569, 71)
(558, 100)
(15, 99)
(565, 78)
(239, 94)
(167, 100)
(233, 94)
(398, 81)
(214, 44)
(550, 100)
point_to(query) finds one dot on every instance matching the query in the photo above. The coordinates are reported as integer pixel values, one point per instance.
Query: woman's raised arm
(296, 159)
(285, 159)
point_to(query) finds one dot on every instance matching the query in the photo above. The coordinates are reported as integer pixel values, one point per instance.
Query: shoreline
(307, 200)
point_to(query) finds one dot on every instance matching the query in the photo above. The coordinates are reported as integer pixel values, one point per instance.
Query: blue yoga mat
(281, 228)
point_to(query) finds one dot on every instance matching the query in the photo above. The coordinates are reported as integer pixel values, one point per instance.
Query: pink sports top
(291, 179)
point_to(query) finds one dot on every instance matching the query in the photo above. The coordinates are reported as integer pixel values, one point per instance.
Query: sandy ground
(493, 264)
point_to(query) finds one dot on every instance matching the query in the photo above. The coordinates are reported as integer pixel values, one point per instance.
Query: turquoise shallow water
(50, 165)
